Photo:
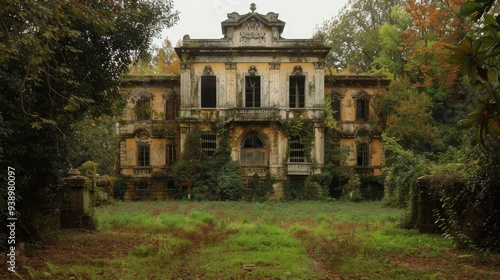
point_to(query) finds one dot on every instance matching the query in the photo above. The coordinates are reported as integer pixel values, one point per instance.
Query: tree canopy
(61, 61)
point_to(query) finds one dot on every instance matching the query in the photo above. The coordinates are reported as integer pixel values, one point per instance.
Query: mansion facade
(255, 83)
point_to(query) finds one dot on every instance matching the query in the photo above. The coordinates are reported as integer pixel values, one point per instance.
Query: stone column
(79, 212)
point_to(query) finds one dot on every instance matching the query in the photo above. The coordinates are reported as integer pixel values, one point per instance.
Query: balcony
(298, 168)
(253, 114)
(143, 171)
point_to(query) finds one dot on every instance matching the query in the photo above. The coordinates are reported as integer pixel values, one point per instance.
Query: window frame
(296, 151)
(362, 109)
(250, 91)
(170, 152)
(254, 155)
(143, 155)
(363, 154)
(297, 93)
(336, 106)
(208, 142)
(141, 104)
(208, 92)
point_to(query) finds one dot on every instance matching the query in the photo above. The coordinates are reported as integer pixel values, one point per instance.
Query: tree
(434, 24)
(159, 61)
(59, 62)
(478, 58)
(93, 140)
(353, 34)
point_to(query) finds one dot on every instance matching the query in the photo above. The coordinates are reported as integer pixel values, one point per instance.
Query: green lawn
(242, 240)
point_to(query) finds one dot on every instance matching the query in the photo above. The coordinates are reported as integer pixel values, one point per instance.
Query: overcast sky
(201, 18)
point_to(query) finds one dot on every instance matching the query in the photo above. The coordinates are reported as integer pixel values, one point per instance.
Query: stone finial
(73, 172)
(253, 7)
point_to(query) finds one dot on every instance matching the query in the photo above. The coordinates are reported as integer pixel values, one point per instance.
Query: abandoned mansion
(263, 89)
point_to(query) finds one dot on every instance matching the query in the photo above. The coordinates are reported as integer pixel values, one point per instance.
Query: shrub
(258, 190)
(120, 186)
(230, 184)
(302, 189)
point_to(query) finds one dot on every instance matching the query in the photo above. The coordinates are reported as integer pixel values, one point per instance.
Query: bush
(230, 184)
(120, 186)
(258, 190)
(302, 189)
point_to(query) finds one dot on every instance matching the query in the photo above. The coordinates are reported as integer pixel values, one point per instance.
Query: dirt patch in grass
(73, 246)
(452, 264)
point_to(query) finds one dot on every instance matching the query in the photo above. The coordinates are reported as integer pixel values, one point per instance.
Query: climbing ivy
(330, 121)
(301, 129)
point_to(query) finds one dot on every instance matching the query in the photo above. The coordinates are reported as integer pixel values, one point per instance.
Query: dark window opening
(143, 109)
(336, 107)
(170, 157)
(297, 92)
(143, 155)
(208, 92)
(297, 152)
(171, 108)
(253, 151)
(362, 154)
(252, 91)
(362, 109)
(208, 142)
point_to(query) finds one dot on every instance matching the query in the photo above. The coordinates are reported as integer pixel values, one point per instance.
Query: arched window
(253, 150)
(362, 154)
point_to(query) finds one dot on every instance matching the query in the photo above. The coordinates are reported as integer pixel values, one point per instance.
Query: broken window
(297, 151)
(253, 151)
(362, 154)
(208, 142)
(143, 155)
(362, 109)
(208, 92)
(252, 91)
(143, 108)
(297, 92)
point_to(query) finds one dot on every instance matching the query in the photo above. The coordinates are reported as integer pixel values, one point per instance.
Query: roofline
(134, 80)
(255, 51)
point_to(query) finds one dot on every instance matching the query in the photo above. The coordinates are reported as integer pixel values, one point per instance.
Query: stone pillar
(79, 212)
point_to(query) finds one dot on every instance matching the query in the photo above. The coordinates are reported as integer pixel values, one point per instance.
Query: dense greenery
(60, 62)
(443, 59)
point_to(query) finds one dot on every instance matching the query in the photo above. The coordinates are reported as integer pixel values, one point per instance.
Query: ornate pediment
(252, 29)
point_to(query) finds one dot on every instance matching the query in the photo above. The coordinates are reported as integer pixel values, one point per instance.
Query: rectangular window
(171, 108)
(297, 92)
(143, 155)
(170, 156)
(362, 109)
(208, 142)
(363, 157)
(336, 106)
(143, 109)
(297, 153)
(252, 91)
(208, 92)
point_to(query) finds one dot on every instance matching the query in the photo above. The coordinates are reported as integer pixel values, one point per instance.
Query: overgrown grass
(243, 240)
